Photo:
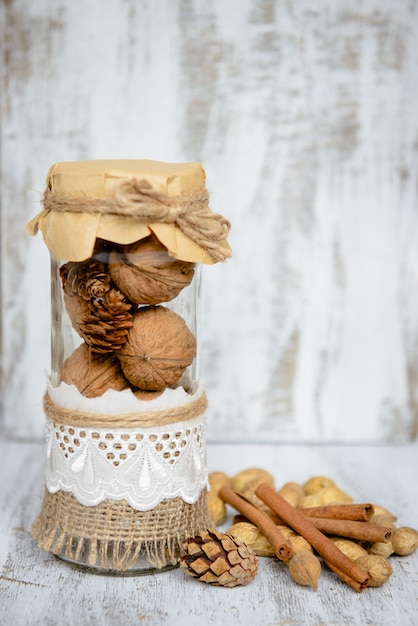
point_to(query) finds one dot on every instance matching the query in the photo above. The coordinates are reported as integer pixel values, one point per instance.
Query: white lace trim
(142, 467)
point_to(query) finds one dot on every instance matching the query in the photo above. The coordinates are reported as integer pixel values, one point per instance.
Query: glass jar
(125, 473)
(68, 334)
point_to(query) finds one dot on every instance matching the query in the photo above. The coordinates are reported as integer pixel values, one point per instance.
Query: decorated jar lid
(124, 201)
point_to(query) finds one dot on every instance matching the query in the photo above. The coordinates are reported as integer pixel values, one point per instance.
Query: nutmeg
(159, 347)
(92, 374)
(405, 540)
(305, 569)
(146, 273)
(377, 567)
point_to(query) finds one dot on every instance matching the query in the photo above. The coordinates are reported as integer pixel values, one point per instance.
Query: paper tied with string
(123, 201)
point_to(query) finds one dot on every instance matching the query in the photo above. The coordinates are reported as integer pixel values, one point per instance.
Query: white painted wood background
(304, 117)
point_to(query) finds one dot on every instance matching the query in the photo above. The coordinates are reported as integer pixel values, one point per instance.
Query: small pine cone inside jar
(159, 347)
(99, 313)
(87, 279)
(81, 282)
(105, 327)
(146, 273)
(219, 559)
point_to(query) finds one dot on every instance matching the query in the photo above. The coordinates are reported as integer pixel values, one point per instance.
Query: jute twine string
(113, 535)
(137, 198)
(185, 412)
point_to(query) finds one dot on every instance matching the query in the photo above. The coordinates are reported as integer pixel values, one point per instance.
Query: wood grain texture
(304, 118)
(36, 589)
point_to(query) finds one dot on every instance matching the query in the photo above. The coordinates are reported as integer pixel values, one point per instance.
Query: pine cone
(88, 279)
(219, 559)
(105, 328)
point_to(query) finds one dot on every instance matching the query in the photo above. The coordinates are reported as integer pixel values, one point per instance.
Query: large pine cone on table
(219, 559)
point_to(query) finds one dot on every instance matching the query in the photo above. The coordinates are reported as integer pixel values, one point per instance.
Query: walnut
(141, 394)
(158, 349)
(92, 374)
(146, 273)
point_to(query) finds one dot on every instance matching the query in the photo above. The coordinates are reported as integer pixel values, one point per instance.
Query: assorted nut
(216, 506)
(318, 491)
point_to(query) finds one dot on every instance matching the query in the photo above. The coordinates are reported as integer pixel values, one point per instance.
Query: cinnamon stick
(354, 584)
(363, 531)
(351, 529)
(355, 512)
(324, 546)
(264, 523)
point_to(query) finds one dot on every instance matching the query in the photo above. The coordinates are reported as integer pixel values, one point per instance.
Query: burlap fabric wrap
(113, 534)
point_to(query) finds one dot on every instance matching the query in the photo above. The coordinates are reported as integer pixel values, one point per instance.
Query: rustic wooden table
(35, 588)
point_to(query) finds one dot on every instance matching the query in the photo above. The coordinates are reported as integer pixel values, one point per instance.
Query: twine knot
(138, 199)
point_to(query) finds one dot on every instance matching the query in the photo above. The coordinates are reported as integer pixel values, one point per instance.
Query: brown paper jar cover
(70, 233)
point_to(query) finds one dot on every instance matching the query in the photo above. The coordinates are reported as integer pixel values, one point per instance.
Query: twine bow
(138, 199)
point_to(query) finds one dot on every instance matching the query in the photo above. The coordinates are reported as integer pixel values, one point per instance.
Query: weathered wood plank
(304, 117)
(37, 589)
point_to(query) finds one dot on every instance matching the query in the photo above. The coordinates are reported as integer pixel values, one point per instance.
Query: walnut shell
(142, 394)
(158, 349)
(92, 374)
(146, 274)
